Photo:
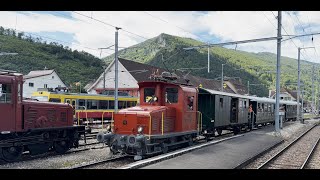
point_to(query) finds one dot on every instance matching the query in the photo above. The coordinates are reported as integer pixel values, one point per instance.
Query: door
(7, 108)
(234, 110)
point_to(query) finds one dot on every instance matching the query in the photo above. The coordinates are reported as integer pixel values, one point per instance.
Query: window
(190, 102)
(52, 77)
(245, 104)
(31, 84)
(103, 104)
(122, 104)
(81, 103)
(131, 103)
(55, 100)
(19, 92)
(259, 107)
(92, 104)
(5, 93)
(221, 102)
(45, 85)
(240, 104)
(59, 86)
(111, 104)
(171, 95)
(148, 93)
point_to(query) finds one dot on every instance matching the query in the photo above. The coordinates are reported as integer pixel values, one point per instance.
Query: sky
(91, 30)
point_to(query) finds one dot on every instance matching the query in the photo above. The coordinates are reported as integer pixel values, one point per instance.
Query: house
(285, 94)
(131, 72)
(40, 79)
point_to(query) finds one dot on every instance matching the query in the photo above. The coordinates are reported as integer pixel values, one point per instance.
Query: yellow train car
(87, 107)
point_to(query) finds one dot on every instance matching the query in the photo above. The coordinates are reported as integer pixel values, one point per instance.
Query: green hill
(258, 68)
(34, 54)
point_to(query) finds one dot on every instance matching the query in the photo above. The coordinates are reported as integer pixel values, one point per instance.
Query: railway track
(295, 155)
(109, 163)
(312, 161)
(27, 157)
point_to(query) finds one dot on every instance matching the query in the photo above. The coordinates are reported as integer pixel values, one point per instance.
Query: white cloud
(227, 26)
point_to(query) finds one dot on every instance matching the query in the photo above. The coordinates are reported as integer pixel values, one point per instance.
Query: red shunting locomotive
(32, 126)
(167, 117)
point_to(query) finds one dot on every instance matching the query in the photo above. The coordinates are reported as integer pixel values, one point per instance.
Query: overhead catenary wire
(108, 24)
(287, 34)
(172, 24)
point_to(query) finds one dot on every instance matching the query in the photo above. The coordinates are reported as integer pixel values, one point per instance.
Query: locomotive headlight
(140, 129)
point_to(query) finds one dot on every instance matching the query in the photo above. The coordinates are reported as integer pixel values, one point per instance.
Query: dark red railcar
(167, 117)
(32, 126)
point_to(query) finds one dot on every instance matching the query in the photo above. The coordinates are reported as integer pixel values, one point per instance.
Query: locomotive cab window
(171, 95)
(190, 102)
(148, 94)
(5, 93)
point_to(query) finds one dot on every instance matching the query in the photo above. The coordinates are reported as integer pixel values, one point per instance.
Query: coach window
(245, 104)
(171, 95)
(240, 104)
(259, 107)
(221, 102)
(5, 93)
(148, 93)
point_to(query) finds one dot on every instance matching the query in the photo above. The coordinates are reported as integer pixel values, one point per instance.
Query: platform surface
(224, 155)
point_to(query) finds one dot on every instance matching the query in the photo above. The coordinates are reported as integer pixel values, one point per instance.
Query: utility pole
(313, 99)
(116, 72)
(298, 93)
(279, 37)
(299, 79)
(248, 87)
(302, 105)
(222, 78)
(318, 98)
(208, 58)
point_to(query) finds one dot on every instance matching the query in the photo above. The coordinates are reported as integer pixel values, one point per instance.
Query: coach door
(234, 110)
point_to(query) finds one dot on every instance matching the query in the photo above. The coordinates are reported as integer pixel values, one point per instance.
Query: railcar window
(103, 104)
(240, 103)
(131, 103)
(55, 100)
(245, 104)
(5, 93)
(148, 93)
(221, 102)
(111, 104)
(269, 107)
(121, 104)
(171, 95)
(92, 104)
(82, 103)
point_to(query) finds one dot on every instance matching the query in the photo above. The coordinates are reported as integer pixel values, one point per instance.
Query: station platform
(227, 154)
